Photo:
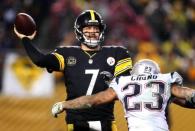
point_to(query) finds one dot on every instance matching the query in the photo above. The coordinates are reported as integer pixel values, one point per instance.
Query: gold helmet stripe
(92, 14)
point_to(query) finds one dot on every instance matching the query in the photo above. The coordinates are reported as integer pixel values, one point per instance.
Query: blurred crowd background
(162, 30)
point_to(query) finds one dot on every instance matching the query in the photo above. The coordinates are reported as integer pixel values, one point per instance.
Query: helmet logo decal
(71, 61)
(147, 69)
(110, 61)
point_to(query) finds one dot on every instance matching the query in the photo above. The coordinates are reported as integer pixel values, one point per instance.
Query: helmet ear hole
(89, 18)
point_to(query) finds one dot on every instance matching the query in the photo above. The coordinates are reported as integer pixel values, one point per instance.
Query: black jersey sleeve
(123, 63)
(48, 61)
(59, 55)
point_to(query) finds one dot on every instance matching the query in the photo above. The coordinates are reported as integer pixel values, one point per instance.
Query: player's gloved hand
(21, 36)
(57, 109)
(106, 76)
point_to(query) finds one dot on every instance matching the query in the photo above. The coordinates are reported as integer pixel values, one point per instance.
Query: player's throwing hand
(21, 36)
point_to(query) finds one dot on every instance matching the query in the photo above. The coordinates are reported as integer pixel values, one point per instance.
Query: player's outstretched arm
(84, 101)
(32, 52)
(49, 61)
(184, 96)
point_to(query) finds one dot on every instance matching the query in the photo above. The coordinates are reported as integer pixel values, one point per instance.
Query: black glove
(106, 76)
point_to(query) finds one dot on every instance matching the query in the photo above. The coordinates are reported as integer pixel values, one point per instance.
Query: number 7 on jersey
(93, 79)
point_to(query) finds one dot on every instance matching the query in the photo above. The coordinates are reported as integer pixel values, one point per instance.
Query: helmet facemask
(90, 41)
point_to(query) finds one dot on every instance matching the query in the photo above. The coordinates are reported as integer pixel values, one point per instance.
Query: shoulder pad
(65, 47)
(114, 46)
(68, 47)
(72, 46)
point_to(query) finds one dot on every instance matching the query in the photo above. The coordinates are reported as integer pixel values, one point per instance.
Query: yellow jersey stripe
(58, 60)
(114, 127)
(61, 60)
(122, 67)
(70, 127)
(123, 60)
(121, 71)
(92, 15)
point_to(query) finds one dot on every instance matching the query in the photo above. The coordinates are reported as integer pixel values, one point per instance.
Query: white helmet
(145, 66)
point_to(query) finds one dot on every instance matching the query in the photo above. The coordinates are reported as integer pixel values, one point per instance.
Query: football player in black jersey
(84, 68)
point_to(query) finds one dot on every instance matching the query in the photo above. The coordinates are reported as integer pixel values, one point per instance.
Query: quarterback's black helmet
(89, 18)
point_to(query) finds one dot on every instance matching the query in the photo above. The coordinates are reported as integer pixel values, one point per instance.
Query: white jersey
(145, 99)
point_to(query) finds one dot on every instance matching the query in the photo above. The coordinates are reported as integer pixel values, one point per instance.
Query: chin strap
(91, 43)
(91, 47)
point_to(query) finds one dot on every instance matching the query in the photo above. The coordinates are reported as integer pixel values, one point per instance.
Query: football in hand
(25, 24)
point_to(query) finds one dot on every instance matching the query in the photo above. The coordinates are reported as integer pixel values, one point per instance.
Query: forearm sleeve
(48, 61)
(35, 55)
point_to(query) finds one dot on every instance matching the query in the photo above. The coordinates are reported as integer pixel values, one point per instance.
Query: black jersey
(82, 73)
(82, 76)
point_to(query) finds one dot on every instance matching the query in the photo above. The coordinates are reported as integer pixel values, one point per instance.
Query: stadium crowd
(162, 30)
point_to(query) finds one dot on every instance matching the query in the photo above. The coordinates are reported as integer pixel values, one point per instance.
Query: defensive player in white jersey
(144, 95)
